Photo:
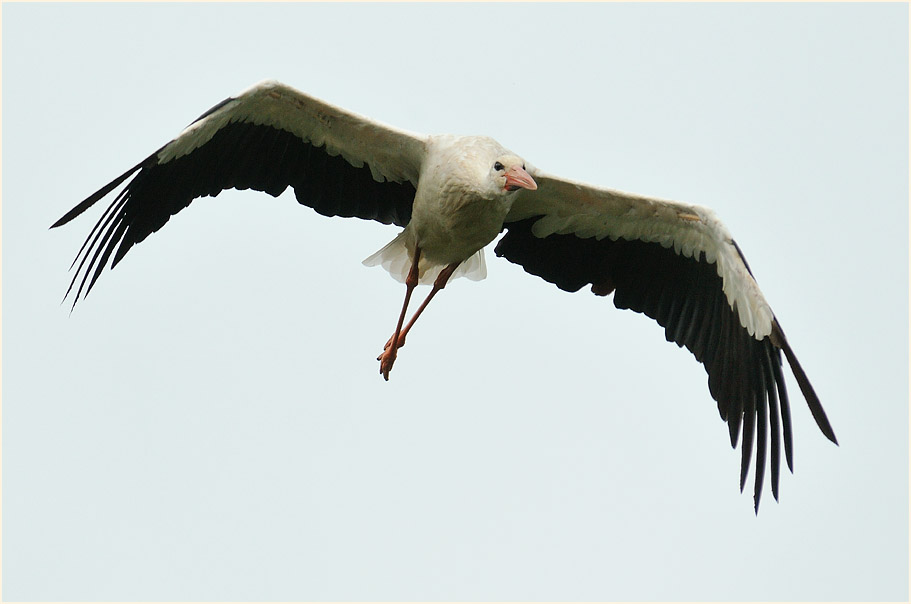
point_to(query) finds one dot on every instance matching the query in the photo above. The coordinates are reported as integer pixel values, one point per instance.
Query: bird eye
(498, 166)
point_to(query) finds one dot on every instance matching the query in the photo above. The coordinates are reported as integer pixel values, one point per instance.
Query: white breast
(454, 214)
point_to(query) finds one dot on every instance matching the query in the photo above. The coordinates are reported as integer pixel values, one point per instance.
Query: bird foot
(386, 359)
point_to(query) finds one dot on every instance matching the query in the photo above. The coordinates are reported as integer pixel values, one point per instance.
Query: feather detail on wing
(267, 138)
(390, 153)
(566, 207)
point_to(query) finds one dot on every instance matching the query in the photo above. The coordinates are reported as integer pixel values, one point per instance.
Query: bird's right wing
(678, 264)
(266, 138)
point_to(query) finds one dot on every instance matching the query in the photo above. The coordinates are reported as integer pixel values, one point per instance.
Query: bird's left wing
(266, 138)
(677, 264)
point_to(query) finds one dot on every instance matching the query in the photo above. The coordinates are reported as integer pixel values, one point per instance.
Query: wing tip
(806, 388)
(89, 201)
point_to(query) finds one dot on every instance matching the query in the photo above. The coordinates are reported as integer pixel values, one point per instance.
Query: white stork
(453, 195)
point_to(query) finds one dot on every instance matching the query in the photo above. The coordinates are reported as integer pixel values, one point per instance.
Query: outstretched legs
(387, 358)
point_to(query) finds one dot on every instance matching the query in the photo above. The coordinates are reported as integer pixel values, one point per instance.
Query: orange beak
(517, 178)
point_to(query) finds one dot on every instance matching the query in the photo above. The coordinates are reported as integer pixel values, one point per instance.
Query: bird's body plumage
(454, 216)
(453, 195)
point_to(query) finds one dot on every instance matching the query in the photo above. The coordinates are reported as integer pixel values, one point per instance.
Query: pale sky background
(210, 423)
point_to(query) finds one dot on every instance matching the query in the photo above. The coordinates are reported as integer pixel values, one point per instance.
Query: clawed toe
(387, 357)
(386, 361)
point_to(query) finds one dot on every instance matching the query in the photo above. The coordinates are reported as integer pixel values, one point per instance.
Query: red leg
(398, 340)
(387, 358)
(438, 284)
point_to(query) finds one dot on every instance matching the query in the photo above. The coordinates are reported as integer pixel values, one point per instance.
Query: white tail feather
(394, 257)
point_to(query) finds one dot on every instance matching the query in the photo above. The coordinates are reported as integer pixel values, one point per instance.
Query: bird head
(509, 174)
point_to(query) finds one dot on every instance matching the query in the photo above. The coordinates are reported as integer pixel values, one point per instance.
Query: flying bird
(453, 195)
